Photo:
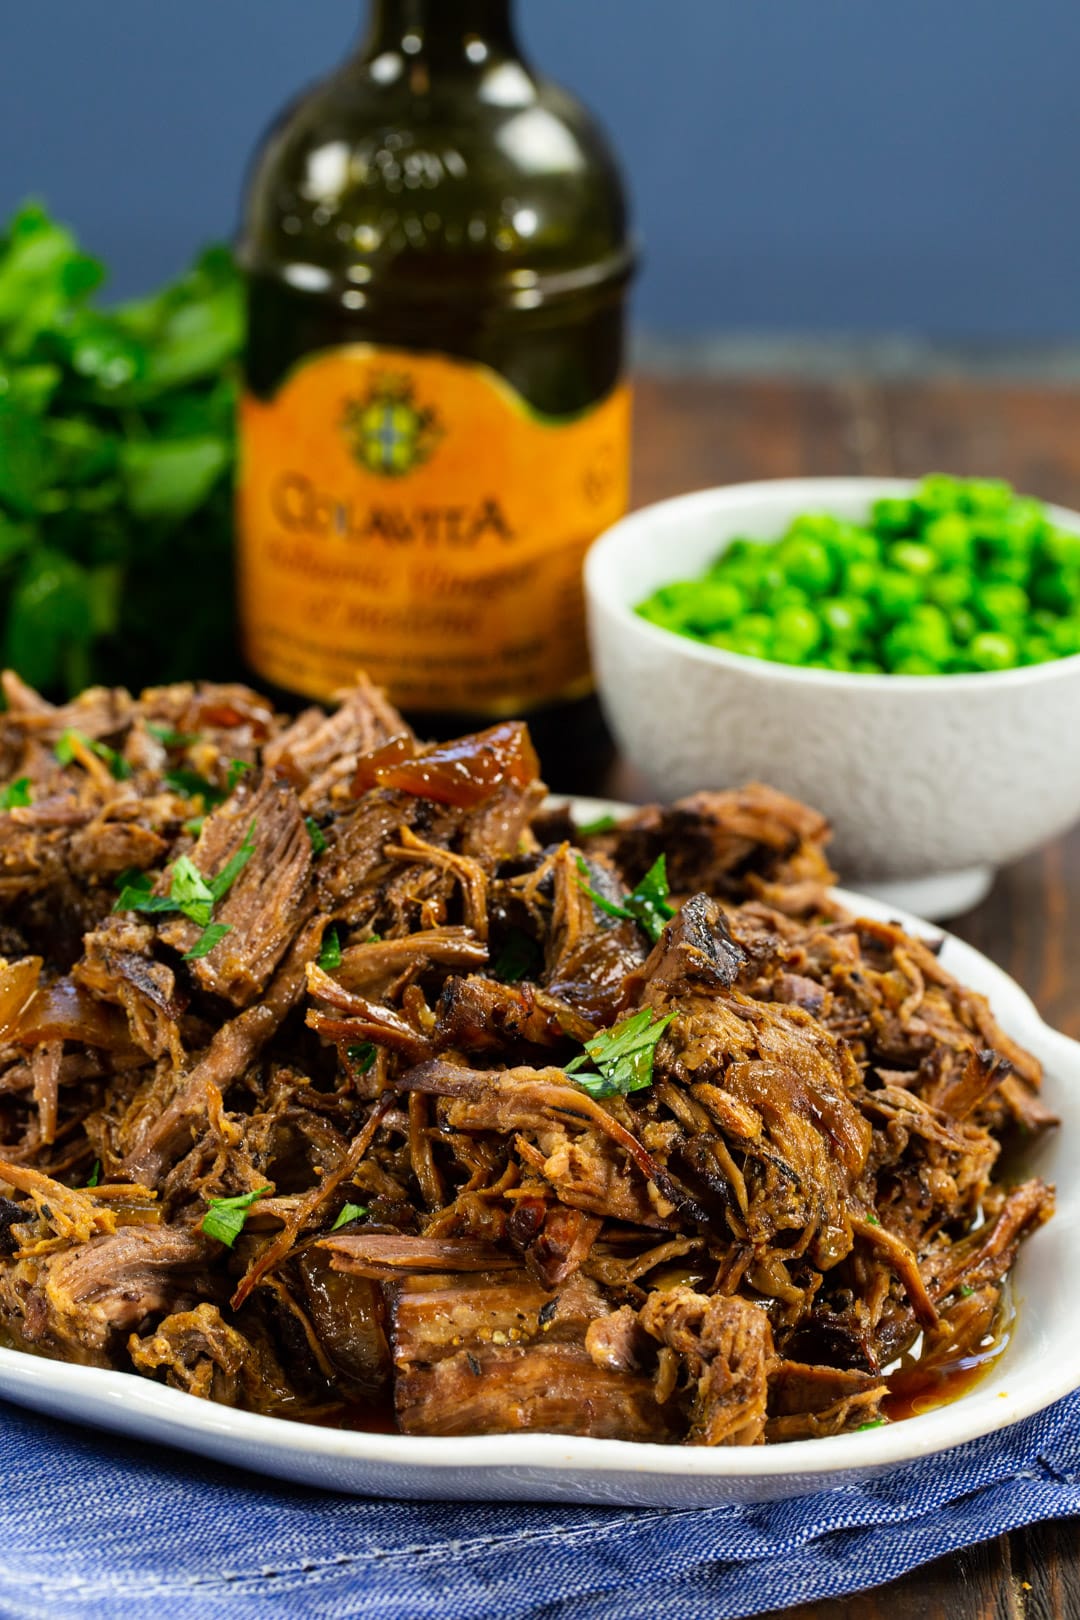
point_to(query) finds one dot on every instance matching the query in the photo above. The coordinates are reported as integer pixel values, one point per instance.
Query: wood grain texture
(692, 432)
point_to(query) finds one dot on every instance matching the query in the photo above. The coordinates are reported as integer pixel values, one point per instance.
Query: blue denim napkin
(92, 1526)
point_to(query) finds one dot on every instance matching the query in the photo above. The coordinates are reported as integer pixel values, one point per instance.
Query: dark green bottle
(436, 419)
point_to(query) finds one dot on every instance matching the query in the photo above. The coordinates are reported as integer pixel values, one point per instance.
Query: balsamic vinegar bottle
(435, 420)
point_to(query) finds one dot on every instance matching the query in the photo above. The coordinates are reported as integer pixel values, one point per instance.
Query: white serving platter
(1040, 1364)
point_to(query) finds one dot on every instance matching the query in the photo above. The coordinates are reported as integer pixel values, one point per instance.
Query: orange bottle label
(411, 515)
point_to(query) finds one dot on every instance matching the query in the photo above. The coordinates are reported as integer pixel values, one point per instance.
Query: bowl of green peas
(903, 655)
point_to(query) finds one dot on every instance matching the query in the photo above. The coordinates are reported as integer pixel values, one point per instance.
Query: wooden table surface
(691, 432)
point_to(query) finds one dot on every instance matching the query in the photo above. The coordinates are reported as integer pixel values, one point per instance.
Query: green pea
(951, 537)
(1024, 523)
(984, 495)
(749, 646)
(860, 577)
(1008, 568)
(992, 649)
(896, 592)
(1038, 650)
(789, 596)
(930, 622)
(797, 627)
(845, 618)
(1001, 606)
(716, 603)
(806, 562)
(937, 493)
(1062, 548)
(1056, 588)
(895, 514)
(758, 626)
(1065, 637)
(850, 543)
(918, 641)
(915, 664)
(963, 625)
(950, 589)
(821, 526)
(912, 558)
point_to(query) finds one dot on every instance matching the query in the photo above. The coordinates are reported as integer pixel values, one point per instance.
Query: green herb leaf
(647, 905)
(190, 783)
(94, 1178)
(220, 885)
(139, 899)
(16, 796)
(623, 1056)
(349, 1212)
(316, 834)
(966, 1291)
(330, 955)
(649, 901)
(236, 770)
(65, 752)
(170, 738)
(362, 1056)
(191, 892)
(602, 824)
(133, 877)
(194, 826)
(876, 1423)
(212, 935)
(225, 1217)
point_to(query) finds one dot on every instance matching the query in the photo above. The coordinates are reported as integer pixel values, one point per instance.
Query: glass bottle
(435, 420)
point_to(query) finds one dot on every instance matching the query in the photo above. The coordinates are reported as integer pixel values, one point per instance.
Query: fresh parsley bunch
(116, 455)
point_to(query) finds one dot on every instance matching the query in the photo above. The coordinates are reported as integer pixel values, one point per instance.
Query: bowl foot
(943, 894)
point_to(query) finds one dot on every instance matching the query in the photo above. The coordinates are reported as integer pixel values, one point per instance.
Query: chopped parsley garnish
(647, 904)
(94, 1178)
(623, 1056)
(225, 1217)
(602, 824)
(872, 1220)
(191, 784)
(876, 1423)
(966, 1291)
(519, 958)
(194, 826)
(133, 877)
(330, 955)
(191, 894)
(16, 795)
(65, 752)
(316, 834)
(361, 1056)
(349, 1212)
(211, 935)
(237, 767)
(168, 738)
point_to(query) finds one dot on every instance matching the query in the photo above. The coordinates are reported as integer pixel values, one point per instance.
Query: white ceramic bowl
(929, 781)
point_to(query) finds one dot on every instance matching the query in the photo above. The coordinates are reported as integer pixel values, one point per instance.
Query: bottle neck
(461, 32)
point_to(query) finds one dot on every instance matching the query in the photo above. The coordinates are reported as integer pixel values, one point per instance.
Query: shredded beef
(385, 1035)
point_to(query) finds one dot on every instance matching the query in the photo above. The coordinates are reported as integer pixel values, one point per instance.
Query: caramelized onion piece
(18, 982)
(463, 773)
(31, 1014)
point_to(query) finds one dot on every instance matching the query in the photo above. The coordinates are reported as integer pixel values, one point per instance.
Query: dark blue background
(798, 165)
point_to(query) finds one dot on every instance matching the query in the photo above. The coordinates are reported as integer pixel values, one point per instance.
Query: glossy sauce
(915, 1389)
